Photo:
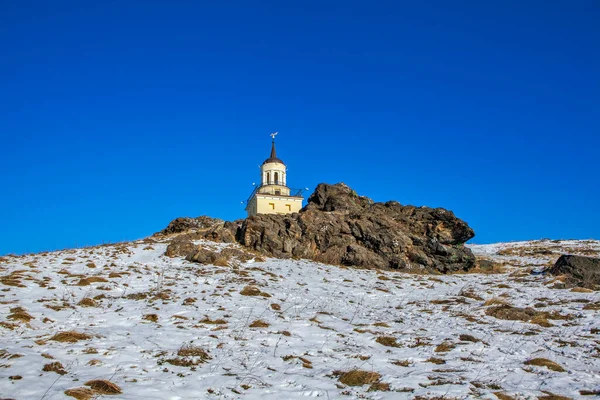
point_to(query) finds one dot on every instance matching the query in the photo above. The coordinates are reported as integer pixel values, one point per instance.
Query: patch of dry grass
(253, 291)
(150, 317)
(207, 320)
(81, 393)
(70, 337)
(435, 360)
(544, 362)
(468, 338)
(19, 314)
(389, 341)
(357, 377)
(508, 312)
(87, 302)
(495, 301)
(259, 323)
(55, 367)
(190, 350)
(102, 386)
(444, 347)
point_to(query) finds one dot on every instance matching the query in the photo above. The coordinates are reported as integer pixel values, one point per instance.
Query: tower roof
(273, 158)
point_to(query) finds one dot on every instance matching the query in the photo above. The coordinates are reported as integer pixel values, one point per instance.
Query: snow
(330, 316)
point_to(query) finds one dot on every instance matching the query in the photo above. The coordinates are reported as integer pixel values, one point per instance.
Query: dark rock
(579, 270)
(185, 224)
(180, 247)
(202, 256)
(340, 227)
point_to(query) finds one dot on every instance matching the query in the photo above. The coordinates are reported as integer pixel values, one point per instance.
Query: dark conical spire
(273, 158)
(273, 151)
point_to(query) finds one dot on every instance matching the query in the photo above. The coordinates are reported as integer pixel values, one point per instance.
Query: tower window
(289, 207)
(272, 206)
(278, 192)
(268, 178)
(276, 178)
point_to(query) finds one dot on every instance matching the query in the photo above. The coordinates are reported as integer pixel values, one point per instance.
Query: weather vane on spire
(273, 135)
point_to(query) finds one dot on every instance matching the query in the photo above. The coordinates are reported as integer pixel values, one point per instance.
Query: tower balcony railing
(293, 192)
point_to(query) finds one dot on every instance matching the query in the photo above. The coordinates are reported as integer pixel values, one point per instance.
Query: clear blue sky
(117, 117)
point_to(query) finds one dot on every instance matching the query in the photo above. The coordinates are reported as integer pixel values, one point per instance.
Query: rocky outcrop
(578, 270)
(340, 227)
(185, 224)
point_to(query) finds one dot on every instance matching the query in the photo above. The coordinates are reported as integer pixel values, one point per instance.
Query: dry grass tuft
(495, 301)
(435, 360)
(468, 338)
(55, 367)
(80, 393)
(357, 377)
(402, 363)
(70, 337)
(207, 320)
(544, 362)
(89, 280)
(444, 347)
(389, 341)
(190, 350)
(259, 323)
(87, 302)
(379, 387)
(19, 314)
(102, 386)
(253, 291)
(508, 312)
(150, 317)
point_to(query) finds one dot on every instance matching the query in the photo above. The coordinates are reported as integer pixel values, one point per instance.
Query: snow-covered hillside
(134, 324)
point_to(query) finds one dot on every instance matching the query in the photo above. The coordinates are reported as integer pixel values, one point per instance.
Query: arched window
(268, 178)
(277, 178)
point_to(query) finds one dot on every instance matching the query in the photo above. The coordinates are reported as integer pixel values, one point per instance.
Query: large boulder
(340, 227)
(578, 270)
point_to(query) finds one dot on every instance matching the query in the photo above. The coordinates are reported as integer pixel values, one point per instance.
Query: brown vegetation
(102, 386)
(544, 362)
(357, 377)
(81, 393)
(389, 341)
(70, 337)
(55, 367)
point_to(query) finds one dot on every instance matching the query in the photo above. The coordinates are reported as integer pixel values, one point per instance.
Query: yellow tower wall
(266, 204)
